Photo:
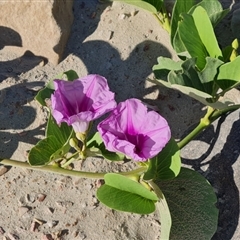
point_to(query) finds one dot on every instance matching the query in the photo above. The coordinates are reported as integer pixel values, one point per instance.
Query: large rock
(41, 27)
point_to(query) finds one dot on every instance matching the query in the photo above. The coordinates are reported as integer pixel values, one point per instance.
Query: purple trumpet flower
(134, 131)
(81, 101)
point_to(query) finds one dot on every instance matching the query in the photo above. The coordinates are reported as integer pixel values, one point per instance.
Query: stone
(41, 27)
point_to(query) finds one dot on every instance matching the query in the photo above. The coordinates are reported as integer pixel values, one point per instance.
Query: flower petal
(80, 101)
(131, 130)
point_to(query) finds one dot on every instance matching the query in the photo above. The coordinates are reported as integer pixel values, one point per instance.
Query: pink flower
(80, 101)
(134, 131)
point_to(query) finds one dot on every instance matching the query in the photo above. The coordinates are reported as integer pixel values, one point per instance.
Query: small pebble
(40, 222)
(3, 170)
(99, 183)
(52, 224)
(66, 204)
(22, 210)
(48, 210)
(13, 236)
(34, 226)
(30, 198)
(95, 200)
(134, 13)
(82, 236)
(41, 197)
(21, 200)
(124, 16)
(47, 237)
(110, 35)
(2, 231)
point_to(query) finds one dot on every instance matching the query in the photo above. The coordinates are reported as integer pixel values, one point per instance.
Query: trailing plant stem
(204, 122)
(211, 115)
(62, 171)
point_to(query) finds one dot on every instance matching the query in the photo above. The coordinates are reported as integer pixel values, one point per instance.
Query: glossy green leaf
(229, 74)
(200, 85)
(152, 6)
(226, 52)
(95, 142)
(191, 201)
(214, 10)
(55, 145)
(179, 47)
(61, 132)
(202, 97)
(166, 165)
(124, 194)
(165, 215)
(206, 32)
(192, 41)
(70, 74)
(180, 6)
(199, 80)
(41, 153)
(164, 66)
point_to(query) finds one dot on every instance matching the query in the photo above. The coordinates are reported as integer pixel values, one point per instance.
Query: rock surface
(42, 27)
(111, 41)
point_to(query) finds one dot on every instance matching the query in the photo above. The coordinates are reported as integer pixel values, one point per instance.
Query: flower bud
(73, 142)
(81, 136)
(235, 44)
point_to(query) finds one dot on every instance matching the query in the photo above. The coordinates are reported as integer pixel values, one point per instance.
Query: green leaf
(192, 41)
(206, 32)
(199, 80)
(166, 165)
(152, 6)
(226, 52)
(61, 132)
(214, 10)
(200, 85)
(229, 74)
(165, 215)
(41, 153)
(191, 201)
(180, 6)
(203, 97)
(124, 194)
(71, 75)
(96, 142)
(164, 66)
(112, 156)
(55, 145)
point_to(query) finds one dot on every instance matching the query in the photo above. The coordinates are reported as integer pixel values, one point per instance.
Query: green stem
(69, 161)
(219, 113)
(209, 118)
(58, 170)
(204, 122)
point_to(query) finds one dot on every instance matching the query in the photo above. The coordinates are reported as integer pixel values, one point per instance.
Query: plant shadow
(15, 66)
(125, 77)
(15, 112)
(218, 164)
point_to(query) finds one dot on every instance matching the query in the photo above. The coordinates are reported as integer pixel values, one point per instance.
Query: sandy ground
(121, 43)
